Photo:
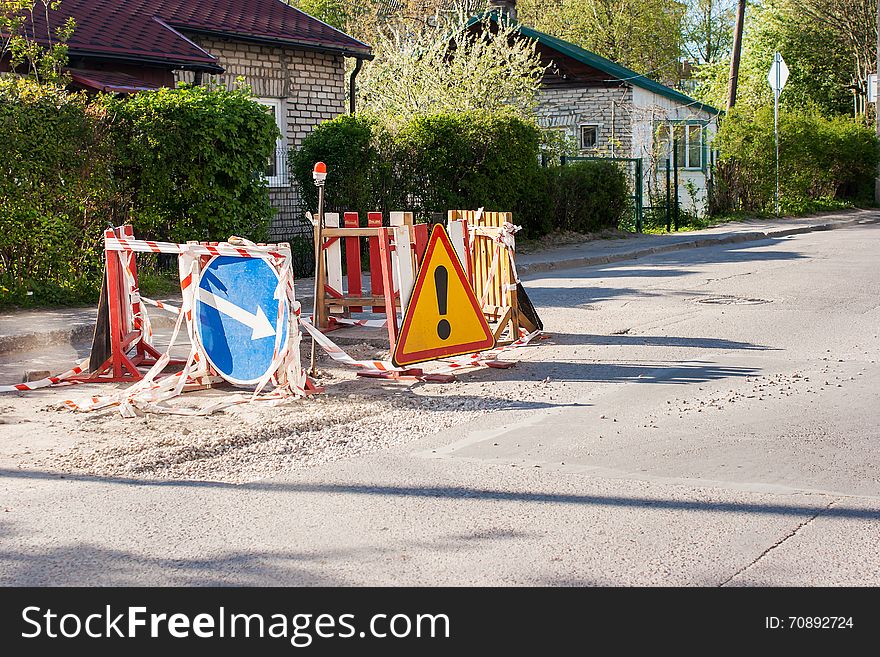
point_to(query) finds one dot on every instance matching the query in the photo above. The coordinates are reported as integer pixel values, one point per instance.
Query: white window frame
(685, 127)
(280, 177)
(580, 136)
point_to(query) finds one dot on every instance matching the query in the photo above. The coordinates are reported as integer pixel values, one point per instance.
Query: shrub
(588, 196)
(181, 164)
(55, 193)
(432, 163)
(349, 146)
(192, 158)
(822, 161)
(467, 160)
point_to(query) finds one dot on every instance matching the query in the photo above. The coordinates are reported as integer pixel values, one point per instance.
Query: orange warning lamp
(319, 173)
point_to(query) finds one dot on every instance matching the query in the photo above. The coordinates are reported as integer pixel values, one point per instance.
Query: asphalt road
(705, 417)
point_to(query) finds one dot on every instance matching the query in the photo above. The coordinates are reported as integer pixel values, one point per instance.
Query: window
(589, 136)
(276, 167)
(688, 141)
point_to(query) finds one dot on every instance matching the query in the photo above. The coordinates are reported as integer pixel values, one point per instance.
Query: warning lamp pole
(319, 174)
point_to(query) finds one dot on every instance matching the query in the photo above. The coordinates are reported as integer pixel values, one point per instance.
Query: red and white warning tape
(338, 354)
(245, 250)
(372, 323)
(49, 380)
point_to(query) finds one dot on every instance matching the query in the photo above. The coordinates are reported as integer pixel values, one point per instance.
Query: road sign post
(777, 77)
(319, 175)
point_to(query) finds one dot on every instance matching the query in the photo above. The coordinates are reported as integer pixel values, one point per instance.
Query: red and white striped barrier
(152, 392)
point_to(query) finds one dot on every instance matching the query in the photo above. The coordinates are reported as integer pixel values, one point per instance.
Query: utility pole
(735, 55)
(877, 105)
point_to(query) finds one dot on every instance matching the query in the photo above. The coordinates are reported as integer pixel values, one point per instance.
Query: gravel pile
(252, 441)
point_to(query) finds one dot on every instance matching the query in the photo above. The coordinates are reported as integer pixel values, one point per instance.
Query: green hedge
(821, 160)
(434, 163)
(55, 191)
(191, 158)
(589, 196)
(180, 164)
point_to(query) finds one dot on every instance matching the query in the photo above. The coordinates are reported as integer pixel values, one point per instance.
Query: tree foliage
(707, 29)
(644, 35)
(21, 47)
(820, 63)
(448, 67)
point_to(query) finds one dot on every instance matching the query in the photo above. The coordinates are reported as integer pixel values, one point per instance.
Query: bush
(822, 161)
(180, 164)
(349, 146)
(55, 194)
(192, 159)
(468, 160)
(433, 163)
(588, 196)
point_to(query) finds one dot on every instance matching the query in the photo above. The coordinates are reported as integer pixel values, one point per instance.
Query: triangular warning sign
(443, 317)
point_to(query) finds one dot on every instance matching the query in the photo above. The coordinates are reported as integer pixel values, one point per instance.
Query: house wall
(311, 86)
(609, 107)
(650, 109)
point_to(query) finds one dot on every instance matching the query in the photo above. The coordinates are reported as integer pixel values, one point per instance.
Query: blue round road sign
(236, 312)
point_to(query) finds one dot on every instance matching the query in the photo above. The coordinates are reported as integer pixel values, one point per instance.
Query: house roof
(613, 69)
(110, 82)
(152, 30)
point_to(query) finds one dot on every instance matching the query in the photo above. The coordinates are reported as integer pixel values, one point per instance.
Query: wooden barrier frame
(473, 234)
(124, 331)
(394, 252)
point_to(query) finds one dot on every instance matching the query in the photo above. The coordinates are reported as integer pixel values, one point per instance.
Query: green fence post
(668, 198)
(639, 191)
(675, 182)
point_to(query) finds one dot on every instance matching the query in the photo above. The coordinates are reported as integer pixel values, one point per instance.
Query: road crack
(778, 543)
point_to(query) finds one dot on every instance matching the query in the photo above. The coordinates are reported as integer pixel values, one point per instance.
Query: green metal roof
(606, 65)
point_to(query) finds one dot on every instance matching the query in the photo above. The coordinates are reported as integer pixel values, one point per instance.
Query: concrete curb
(700, 242)
(82, 332)
(10, 344)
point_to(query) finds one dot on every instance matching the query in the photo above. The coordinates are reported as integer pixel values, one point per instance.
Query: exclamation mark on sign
(441, 282)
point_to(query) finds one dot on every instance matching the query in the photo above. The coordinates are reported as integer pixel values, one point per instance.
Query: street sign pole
(777, 77)
(319, 175)
(776, 137)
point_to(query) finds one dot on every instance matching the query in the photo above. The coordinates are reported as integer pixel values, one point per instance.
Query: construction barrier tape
(78, 369)
(338, 354)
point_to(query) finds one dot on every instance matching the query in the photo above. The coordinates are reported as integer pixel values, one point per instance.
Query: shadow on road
(627, 340)
(648, 372)
(470, 494)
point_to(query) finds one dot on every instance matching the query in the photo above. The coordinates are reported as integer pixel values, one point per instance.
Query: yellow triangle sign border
(400, 357)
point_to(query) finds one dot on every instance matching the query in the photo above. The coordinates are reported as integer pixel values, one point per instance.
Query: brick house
(294, 63)
(609, 110)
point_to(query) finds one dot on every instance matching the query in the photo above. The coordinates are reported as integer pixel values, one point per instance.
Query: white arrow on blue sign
(236, 299)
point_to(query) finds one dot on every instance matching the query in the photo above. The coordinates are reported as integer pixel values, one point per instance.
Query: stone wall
(311, 86)
(608, 107)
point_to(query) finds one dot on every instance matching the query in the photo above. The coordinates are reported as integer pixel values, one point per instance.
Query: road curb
(700, 242)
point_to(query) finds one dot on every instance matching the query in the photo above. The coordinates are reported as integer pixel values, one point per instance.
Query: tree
(853, 23)
(821, 67)
(708, 29)
(19, 43)
(443, 67)
(644, 35)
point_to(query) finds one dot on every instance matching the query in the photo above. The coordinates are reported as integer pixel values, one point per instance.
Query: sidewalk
(34, 329)
(600, 252)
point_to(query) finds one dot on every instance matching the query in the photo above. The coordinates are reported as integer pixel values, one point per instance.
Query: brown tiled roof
(154, 30)
(110, 82)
